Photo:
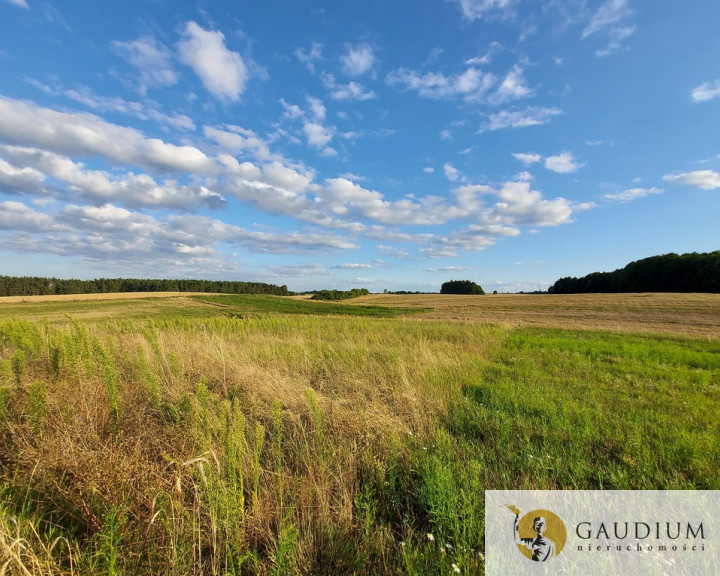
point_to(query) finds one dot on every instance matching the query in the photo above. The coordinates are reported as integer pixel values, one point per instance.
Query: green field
(268, 435)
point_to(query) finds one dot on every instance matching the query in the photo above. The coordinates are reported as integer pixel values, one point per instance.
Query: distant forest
(667, 273)
(33, 286)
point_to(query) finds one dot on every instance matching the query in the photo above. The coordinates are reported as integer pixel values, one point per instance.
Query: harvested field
(682, 314)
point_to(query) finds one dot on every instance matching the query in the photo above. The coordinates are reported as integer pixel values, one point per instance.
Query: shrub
(461, 287)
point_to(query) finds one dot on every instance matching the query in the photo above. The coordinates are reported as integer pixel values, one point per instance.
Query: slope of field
(266, 435)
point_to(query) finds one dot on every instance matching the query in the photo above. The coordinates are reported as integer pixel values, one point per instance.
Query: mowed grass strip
(229, 435)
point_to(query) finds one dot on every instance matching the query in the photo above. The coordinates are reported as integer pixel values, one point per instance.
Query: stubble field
(204, 434)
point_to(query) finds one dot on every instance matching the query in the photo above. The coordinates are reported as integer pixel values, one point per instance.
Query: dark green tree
(461, 287)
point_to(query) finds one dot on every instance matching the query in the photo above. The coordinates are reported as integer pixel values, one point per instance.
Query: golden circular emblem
(540, 535)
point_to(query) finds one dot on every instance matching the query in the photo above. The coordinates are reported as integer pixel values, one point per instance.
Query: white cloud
(513, 87)
(292, 111)
(428, 169)
(310, 57)
(706, 91)
(452, 173)
(70, 133)
(609, 18)
(632, 194)
(17, 216)
(519, 205)
(19, 3)
(352, 91)
(318, 136)
(152, 58)
(450, 269)
(21, 180)
(617, 35)
(611, 12)
(222, 71)
(530, 116)
(477, 9)
(237, 139)
(528, 158)
(353, 266)
(357, 60)
(95, 185)
(471, 85)
(146, 111)
(704, 179)
(299, 270)
(317, 108)
(562, 163)
(486, 58)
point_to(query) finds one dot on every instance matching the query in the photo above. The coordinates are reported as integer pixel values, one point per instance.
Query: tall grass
(255, 441)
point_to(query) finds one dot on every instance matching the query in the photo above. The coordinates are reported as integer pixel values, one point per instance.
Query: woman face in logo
(540, 525)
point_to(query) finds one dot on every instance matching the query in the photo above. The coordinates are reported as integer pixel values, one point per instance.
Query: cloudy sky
(386, 145)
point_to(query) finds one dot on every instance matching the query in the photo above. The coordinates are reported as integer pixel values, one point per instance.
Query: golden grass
(187, 442)
(695, 315)
(91, 297)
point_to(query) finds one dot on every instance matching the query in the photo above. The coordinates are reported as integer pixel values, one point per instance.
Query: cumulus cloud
(100, 186)
(452, 173)
(141, 243)
(222, 71)
(70, 133)
(704, 179)
(706, 91)
(17, 216)
(528, 158)
(519, 205)
(472, 84)
(318, 136)
(153, 60)
(513, 87)
(632, 194)
(352, 91)
(357, 60)
(238, 140)
(21, 180)
(530, 116)
(562, 163)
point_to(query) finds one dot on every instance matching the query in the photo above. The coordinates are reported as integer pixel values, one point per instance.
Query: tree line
(691, 272)
(37, 286)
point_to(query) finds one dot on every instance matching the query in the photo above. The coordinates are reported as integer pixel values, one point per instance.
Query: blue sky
(386, 145)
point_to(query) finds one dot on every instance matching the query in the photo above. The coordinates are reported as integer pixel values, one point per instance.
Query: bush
(461, 287)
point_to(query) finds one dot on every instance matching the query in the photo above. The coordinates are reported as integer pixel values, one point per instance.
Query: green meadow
(261, 435)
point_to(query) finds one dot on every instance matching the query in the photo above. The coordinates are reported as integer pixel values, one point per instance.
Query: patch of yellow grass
(91, 297)
(696, 315)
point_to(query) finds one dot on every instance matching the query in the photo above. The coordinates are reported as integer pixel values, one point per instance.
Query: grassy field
(202, 434)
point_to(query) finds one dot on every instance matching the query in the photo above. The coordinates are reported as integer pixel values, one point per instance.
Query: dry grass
(90, 297)
(695, 315)
(160, 434)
